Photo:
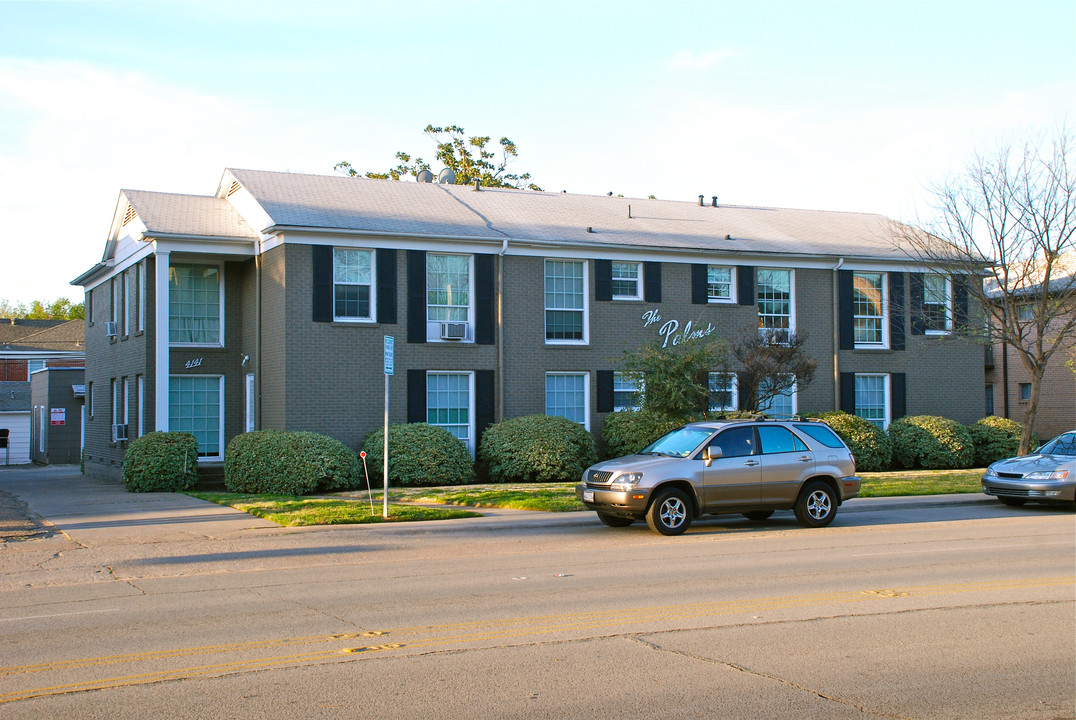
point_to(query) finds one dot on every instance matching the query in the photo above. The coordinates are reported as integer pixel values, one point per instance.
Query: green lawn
(407, 503)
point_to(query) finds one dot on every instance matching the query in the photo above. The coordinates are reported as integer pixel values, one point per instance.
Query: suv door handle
(751, 463)
(805, 458)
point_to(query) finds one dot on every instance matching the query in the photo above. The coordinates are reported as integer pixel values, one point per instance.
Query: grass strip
(293, 511)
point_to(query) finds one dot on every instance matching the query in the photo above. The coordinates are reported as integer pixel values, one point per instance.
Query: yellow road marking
(460, 633)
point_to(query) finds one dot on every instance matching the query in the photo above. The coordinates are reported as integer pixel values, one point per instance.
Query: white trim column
(161, 365)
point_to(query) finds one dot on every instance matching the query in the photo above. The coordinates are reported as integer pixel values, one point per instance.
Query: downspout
(258, 337)
(837, 335)
(500, 330)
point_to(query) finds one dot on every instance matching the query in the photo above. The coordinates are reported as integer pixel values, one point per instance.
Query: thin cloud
(691, 60)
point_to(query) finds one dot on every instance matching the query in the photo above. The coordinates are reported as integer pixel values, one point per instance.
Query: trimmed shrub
(931, 442)
(869, 443)
(161, 462)
(626, 431)
(537, 448)
(284, 462)
(419, 454)
(997, 438)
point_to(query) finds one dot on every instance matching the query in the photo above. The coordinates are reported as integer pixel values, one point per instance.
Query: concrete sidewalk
(40, 501)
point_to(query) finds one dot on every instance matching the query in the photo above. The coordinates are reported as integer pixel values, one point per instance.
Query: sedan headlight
(1047, 475)
(626, 482)
(991, 472)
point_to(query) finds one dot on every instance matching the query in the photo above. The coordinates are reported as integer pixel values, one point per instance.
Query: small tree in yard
(1013, 212)
(674, 378)
(771, 363)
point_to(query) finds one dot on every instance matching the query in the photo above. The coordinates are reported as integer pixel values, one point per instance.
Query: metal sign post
(390, 362)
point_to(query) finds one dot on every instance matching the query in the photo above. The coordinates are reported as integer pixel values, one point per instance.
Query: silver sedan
(1048, 475)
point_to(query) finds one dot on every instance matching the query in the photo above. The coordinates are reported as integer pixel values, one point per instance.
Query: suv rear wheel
(670, 513)
(816, 505)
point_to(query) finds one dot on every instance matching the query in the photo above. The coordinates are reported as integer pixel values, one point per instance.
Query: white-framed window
(89, 399)
(937, 303)
(353, 283)
(567, 395)
(140, 419)
(627, 280)
(140, 270)
(196, 405)
(126, 279)
(125, 413)
(195, 304)
(114, 300)
(566, 301)
(780, 406)
(720, 286)
(33, 366)
(249, 404)
(627, 391)
(869, 303)
(872, 398)
(723, 392)
(448, 295)
(89, 306)
(449, 403)
(115, 407)
(775, 298)
(1025, 392)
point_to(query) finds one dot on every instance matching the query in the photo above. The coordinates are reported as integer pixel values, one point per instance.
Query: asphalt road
(912, 609)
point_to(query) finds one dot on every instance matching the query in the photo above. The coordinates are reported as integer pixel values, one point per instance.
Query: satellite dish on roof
(446, 177)
(424, 176)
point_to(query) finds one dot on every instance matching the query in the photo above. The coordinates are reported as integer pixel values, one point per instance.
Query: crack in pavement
(766, 676)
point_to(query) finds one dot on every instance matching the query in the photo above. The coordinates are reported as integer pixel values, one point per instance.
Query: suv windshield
(678, 443)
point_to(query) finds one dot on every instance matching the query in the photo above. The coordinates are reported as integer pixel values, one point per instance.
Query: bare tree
(770, 364)
(1009, 219)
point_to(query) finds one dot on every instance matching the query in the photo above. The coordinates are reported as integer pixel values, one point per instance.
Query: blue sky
(831, 105)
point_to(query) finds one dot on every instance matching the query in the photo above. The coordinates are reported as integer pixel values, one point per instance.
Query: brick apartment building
(266, 305)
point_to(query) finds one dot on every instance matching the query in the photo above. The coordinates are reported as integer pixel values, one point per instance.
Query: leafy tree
(59, 309)
(468, 157)
(675, 377)
(770, 364)
(1012, 211)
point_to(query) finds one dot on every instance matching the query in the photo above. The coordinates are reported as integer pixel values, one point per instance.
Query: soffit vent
(129, 215)
(235, 187)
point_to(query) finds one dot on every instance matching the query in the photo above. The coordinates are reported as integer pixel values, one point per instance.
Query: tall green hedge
(872, 448)
(285, 462)
(419, 454)
(996, 438)
(161, 462)
(536, 448)
(931, 442)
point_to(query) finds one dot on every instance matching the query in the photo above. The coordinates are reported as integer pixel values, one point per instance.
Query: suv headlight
(626, 482)
(1047, 475)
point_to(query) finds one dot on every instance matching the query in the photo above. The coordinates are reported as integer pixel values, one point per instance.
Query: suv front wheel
(670, 513)
(816, 505)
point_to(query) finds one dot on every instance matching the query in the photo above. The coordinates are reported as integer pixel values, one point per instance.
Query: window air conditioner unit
(110, 328)
(119, 432)
(453, 331)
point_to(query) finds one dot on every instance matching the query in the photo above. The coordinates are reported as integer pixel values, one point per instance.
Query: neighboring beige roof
(408, 208)
(66, 336)
(197, 215)
(13, 329)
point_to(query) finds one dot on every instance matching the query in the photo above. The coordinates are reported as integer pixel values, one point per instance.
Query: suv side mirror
(710, 453)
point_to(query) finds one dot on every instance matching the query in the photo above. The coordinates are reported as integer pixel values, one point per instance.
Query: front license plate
(588, 496)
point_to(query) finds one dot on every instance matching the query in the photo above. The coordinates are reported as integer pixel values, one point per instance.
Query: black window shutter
(848, 392)
(416, 298)
(386, 286)
(416, 396)
(485, 395)
(652, 282)
(485, 299)
(698, 285)
(915, 303)
(960, 301)
(603, 279)
(897, 389)
(745, 285)
(605, 391)
(845, 293)
(896, 310)
(322, 270)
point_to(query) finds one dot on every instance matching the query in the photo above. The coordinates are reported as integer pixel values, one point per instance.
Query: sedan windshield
(1062, 445)
(678, 443)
